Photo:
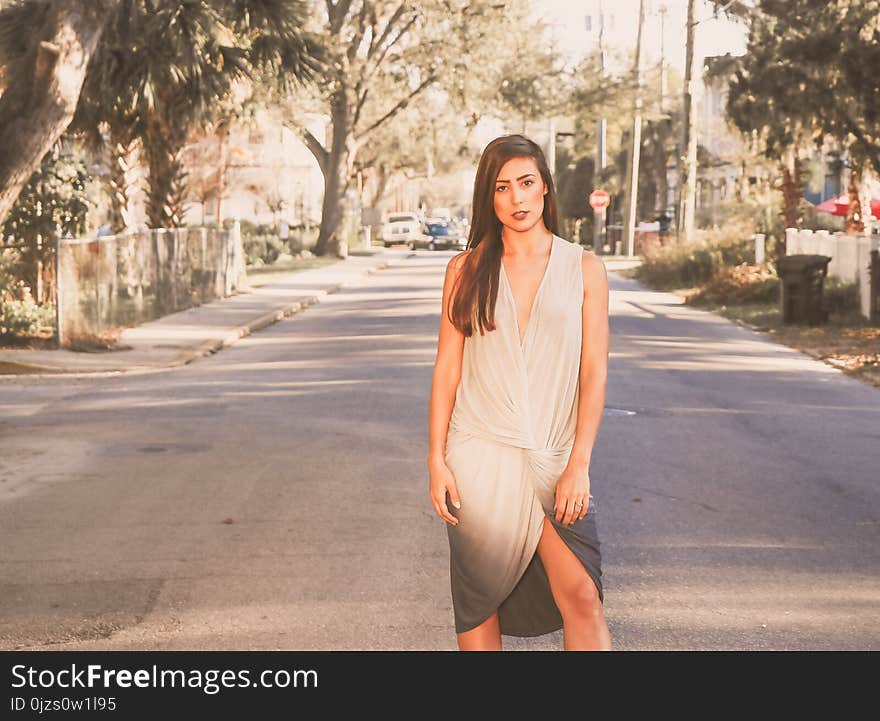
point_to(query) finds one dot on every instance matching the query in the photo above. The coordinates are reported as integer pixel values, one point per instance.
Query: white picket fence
(850, 256)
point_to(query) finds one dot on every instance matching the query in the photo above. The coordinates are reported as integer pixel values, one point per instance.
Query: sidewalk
(180, 338)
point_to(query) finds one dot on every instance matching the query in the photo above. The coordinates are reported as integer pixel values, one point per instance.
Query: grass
(265, 274)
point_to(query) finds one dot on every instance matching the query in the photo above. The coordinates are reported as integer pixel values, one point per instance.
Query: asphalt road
(275, 495)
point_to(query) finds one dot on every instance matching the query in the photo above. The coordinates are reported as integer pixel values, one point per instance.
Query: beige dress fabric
(509, 440)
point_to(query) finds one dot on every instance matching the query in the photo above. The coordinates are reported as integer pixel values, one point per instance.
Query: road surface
(274, 496)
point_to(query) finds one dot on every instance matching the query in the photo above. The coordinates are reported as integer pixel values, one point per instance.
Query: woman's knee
(485, 637)
(580, 598)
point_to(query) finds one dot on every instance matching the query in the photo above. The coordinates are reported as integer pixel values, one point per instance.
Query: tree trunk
(222, 165)
(44, 87)
(337, 173)
(122, 184)
(661, 183)
(166, 185)
(687, 174)
(855, 222)
(334, 208)
(381, 184)
(792, 192)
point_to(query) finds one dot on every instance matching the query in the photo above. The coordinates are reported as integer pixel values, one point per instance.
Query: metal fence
(123, 280)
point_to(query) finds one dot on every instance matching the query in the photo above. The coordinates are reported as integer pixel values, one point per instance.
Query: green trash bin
(801, 280)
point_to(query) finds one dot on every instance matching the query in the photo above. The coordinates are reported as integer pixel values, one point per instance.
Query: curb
(833, 362)
(205, 348)
(214, 345)
(16, 368)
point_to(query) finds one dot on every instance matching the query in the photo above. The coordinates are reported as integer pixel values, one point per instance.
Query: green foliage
(20, 315)
(810, 71)
(53, 197)
(163, 69)
(24, 317)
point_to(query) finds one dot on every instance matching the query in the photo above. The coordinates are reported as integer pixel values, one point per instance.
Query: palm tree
(164, 68)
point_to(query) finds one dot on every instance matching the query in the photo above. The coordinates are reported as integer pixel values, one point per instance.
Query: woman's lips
(520, 214)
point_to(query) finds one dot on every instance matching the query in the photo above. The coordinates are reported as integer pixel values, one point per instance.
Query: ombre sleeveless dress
(509, 440)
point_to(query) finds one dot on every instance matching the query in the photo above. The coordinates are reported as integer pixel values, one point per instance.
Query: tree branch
(362, 97)
(359, 26)
(377, 62)
(388, 26)
(314, 145)
(398, 107)
(337, 13)
(373, 23)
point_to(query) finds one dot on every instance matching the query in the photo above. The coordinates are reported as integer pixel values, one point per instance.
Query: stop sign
(599, 199)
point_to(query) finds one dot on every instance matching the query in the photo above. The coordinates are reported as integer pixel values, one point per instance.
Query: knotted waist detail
(546, 465)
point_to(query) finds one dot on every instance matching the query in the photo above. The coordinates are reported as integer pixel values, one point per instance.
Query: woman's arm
(574, 484)
(447, 374)
(594, 359)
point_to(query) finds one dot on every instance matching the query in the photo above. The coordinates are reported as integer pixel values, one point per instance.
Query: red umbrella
(838, 206)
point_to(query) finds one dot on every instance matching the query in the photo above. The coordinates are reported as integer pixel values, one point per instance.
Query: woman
(515, 407)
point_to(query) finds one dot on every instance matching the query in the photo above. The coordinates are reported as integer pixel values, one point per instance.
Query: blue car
(441, 235)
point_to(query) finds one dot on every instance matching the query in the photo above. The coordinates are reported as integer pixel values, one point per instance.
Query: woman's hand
(443, 482)
(572, 493)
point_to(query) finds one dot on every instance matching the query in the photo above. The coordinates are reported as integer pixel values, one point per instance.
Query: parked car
(403, 228)
(440, 235)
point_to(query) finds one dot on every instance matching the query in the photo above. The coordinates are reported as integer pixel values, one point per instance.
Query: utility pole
(662, 196)
(663, 80)
(632, 169)
(599, 215)
(687, 177)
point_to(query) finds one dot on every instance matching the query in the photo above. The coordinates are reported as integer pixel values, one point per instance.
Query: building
(269, 174)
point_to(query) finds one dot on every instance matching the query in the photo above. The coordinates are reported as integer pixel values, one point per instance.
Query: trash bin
(801, 279)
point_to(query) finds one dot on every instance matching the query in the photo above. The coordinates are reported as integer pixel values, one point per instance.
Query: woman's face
(519, 194)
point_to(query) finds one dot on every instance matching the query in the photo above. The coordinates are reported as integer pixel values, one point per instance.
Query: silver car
(401, 228)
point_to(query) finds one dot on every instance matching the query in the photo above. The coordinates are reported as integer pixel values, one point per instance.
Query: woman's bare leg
(575, 593)
(485, 637)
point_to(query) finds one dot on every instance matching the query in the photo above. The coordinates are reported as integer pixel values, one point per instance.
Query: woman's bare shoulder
(455, 265)
(595, 274)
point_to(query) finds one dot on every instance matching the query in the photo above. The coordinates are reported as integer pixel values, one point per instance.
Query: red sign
(599, 199)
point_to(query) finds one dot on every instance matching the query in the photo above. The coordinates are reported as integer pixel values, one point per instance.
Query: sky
(568, 24)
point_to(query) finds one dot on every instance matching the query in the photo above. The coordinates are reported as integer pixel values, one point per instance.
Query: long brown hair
(476, 289)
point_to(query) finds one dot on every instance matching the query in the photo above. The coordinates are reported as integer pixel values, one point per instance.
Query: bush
(19, 313)
(262, 249)
(263, 246)
(839, 296)
(24, 317)
(739, 285)
(684, 265)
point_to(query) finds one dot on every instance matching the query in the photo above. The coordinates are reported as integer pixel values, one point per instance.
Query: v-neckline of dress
(521, 338)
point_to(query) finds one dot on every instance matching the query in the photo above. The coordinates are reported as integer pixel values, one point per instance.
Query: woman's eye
(528, 183)
(500, 188)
